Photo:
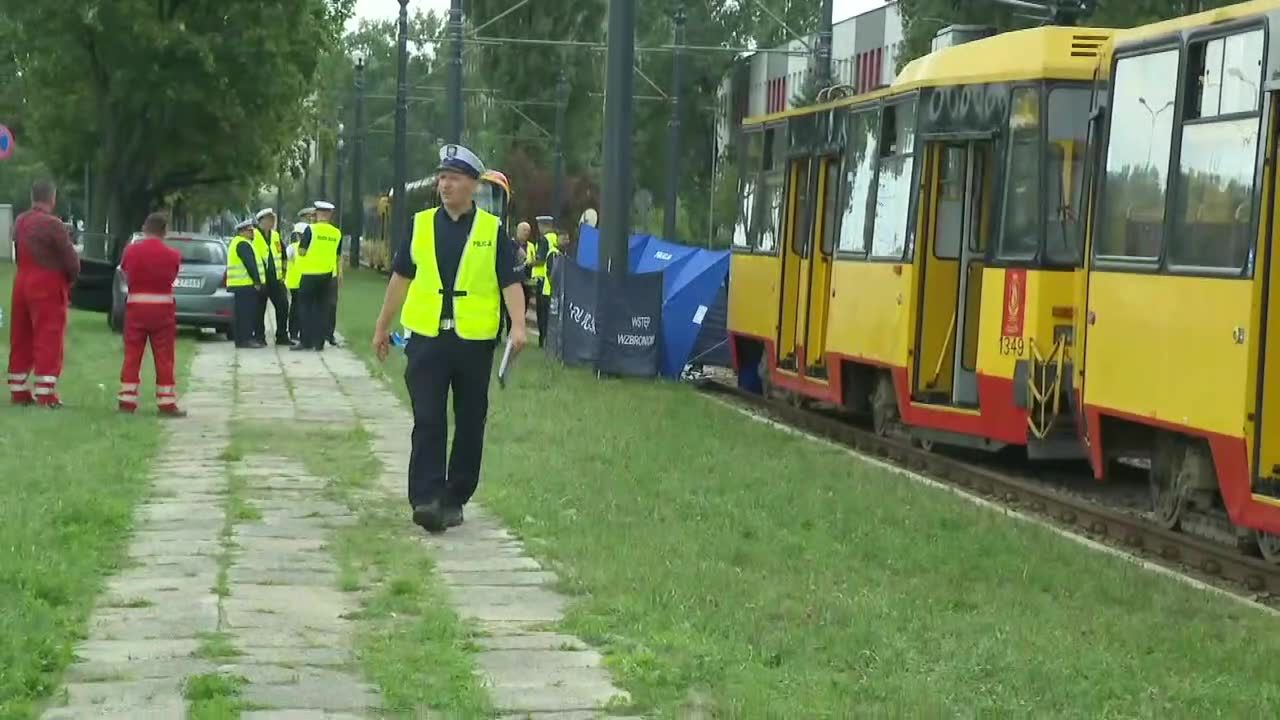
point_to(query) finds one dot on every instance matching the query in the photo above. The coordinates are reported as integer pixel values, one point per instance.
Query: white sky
(389, 8)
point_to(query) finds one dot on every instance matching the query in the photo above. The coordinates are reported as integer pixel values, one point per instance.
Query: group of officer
(541, 256)
(300, 281)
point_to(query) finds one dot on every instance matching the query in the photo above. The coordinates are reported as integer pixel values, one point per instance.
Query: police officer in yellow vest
(266, 236)
(293, 270)
(447, 285)
(246, 274)
(548, 248)
(319, 250)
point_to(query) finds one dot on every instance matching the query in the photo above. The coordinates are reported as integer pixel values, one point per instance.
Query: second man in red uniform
(150, 267)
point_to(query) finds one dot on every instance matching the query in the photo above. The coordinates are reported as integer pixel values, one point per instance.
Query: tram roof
(1043, 53)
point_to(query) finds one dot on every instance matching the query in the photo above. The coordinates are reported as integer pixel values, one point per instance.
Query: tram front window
(1020, 235)
(1068, 132)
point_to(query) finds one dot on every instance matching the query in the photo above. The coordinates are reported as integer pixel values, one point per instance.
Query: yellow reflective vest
(322, 254)
(477, 298)
(553, 248)
(261, 247)
(237, 273)
(293, 274)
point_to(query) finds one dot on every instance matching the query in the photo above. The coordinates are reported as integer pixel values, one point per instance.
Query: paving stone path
(268, 585)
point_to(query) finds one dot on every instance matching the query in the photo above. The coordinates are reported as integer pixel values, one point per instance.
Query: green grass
(409, 642)
(216, 646)
(69, 482)
(729, 568)
(214, 696)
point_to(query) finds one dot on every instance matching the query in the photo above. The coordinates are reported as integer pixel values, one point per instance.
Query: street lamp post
(399, 204)
(339, 172)
(673, 127)
(615, 218)
(455, 71)
(562, 102)
(355, 223)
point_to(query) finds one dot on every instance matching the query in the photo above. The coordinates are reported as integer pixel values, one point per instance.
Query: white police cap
(265, 212)
(300, 227)
(460, 159)
(306, 211)
(244, 225)
(322, 205)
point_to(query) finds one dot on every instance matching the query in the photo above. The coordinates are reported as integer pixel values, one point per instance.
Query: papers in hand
(505, 366)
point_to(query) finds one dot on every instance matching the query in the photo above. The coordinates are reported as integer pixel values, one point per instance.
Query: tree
(166, 96)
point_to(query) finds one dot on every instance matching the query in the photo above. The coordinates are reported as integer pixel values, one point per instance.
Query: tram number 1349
(1013, 345)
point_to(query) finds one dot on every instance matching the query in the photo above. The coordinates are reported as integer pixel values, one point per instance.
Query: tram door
(1267, 439)
(821, 246)
(795, 265)
(946, 371)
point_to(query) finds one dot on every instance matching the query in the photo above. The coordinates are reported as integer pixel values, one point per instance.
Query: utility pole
(339, 172)
(823, 51)
(356, 224)
(615, 220)
(455, 71)
(673, 127)
(562, 103)
(400, 204)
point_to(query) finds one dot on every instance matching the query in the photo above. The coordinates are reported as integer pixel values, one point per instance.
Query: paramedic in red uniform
(47, 268)
(150, 268)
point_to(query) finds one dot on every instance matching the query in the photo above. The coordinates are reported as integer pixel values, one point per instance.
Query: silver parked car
(200, 290)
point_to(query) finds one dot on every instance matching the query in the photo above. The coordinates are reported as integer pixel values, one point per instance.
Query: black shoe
(452, 516)
(429, 518)
(245, 346)
(299, 348)
(286, 342)
(259, 344)
(334, 342)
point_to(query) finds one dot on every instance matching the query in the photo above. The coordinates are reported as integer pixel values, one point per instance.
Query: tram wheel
(884, 406)
(1269, 546)
(1168, 482)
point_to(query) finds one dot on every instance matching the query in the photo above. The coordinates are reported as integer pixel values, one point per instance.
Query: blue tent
(589, 249)
(692, 297)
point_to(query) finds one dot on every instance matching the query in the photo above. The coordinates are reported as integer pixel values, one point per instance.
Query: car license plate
(188, 283)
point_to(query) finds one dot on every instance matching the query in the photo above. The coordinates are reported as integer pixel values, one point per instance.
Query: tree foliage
(161, 97)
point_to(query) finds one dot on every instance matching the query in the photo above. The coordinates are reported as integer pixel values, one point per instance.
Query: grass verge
(70, 480)
(409, 643)
(214, 696)
(729, 568)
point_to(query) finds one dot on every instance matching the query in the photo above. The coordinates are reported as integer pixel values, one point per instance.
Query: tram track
(1219, 565)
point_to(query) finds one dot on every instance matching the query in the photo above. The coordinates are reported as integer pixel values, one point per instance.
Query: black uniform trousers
(247, 303)
(436, 365)
(542, 304)
(295, 325)
(314, 294)
(279, 298)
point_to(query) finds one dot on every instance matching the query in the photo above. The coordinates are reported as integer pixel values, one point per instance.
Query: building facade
(864, 56)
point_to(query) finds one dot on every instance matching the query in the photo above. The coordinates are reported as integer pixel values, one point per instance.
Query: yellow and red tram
(1180, 337)
(912, 253)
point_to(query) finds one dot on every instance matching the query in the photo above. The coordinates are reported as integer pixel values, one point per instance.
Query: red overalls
(41, 295)
(150, 267)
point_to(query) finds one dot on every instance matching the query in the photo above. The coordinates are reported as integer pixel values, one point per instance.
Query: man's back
(42, 242)
(150, 266)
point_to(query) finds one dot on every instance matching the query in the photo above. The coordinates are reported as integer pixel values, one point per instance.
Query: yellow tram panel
(1045, 301)
(870, 311)
(753, 295)
(1170, 349)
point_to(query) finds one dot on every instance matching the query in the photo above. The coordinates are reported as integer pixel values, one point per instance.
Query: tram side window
(747, 224)
(1137, 168)
(1020, 237)
(1214, 208)
(1068, 119)
(893, 190)
(860, 170)
(771, 219)
(831, 207)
